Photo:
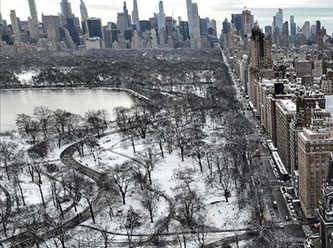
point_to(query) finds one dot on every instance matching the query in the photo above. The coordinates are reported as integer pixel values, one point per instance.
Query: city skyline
(262, 12)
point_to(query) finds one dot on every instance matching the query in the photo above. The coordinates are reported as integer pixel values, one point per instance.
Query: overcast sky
(263, 10)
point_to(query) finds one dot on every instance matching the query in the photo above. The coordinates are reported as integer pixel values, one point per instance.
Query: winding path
(26, 239)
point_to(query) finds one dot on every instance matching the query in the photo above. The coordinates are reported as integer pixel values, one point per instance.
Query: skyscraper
(292, 26)
(306, 29)
(66, 9)
(83, 11)
(51, 22)
(318, 27)
(126, 17)
(34, 19)
(183, 30)
(285, 34)
(236, 20)
(260, 49)
(15, 26)
(94, 27)
(161, 16)
(196, 37)
(225, 26)
(247, 23)
(84, 16)
(189, 16)
(135, 15)
(278, 19)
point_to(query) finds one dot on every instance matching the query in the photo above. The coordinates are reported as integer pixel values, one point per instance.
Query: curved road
(26, 239)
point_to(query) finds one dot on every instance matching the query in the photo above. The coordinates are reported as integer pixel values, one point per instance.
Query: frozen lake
(78, 101)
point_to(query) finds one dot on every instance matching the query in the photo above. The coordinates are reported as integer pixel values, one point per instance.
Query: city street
(281, 214)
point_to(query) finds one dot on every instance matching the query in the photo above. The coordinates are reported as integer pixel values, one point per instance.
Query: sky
(263, 11)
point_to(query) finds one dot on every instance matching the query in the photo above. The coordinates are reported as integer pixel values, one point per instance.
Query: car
(288, 218)
(275, 205)
(281, 225)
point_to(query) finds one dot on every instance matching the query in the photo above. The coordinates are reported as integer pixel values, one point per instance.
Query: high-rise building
(83, 11)
(236, 20)
(52, 23)
(306, 29)
(318, 27)
(126, 17)
(66, 9)
(84, 16)
(292, 26)
(305, 102)
(247, 23)
(161, 16)
(203, 27)
(260, 49)
(121, 22)
(285, 35)
(184, 30)
(135, 15)
(145, 25)
(315, 143)
(285, 111)
(34, 33)
(189, 16)
(169, 23)
(320, 40)
(196, 37)
(71, 27)
(225, 26)
(278, 19)
(268, 31)
(94, 27)
(15, 26)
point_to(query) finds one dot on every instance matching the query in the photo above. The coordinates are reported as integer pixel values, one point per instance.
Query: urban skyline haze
(263, 11)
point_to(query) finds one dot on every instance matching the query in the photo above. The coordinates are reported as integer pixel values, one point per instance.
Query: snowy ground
(221, 214)
(115, 150)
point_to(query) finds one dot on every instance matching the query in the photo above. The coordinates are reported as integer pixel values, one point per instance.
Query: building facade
(314, 146)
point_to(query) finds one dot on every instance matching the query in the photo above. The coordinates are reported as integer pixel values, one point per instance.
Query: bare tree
(123, 179)
(150, 159)
(38, 181)
(7, 154)
(44, 116)
(105, 233)
(88, 192)
(188, 207)
(27, 127)
(200, 232)
(96, 121)
(139, 177)
(131, 223)
(149, 200)
(185, 177)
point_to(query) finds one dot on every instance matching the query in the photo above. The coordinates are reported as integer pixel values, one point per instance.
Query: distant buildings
(165, 31)
(34, 33)
(94, 27)
(15, 26)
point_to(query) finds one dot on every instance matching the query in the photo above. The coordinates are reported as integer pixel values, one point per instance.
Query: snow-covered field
(114, 150)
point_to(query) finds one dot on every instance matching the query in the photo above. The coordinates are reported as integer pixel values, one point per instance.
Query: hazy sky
(219, 9)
